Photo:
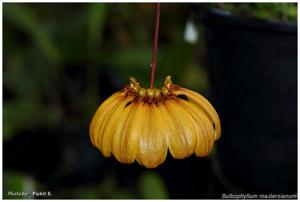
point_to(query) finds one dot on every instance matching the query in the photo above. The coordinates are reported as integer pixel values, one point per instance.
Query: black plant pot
(253, 71)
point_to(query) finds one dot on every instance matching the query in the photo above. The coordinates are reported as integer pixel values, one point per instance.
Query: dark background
(60, 61)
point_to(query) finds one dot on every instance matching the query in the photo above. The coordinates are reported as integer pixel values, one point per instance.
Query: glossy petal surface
(141, 125)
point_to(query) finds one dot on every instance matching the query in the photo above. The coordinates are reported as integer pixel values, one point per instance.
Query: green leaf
(23, 18)
(152, 186)
(14, 182)
(97, 14)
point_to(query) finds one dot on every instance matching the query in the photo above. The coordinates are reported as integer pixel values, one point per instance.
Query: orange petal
(120, 130)
(103, 110)
(186, 131)
(205, 130)
(102, 122)
(176, 143)
(109, 126)
(130, 140)
(153, 142)
(204, 105)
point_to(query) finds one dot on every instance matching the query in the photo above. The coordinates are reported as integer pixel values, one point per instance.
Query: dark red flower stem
(155, 45)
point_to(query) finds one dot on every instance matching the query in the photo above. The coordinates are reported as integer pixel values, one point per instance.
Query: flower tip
(132, 80)
(134, 84)
(168, 83)
(168, 80)
(142, 92)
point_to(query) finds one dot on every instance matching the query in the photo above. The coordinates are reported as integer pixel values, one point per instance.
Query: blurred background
(60, 61)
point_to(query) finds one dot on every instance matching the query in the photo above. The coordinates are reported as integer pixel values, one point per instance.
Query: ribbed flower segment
(143, 124)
